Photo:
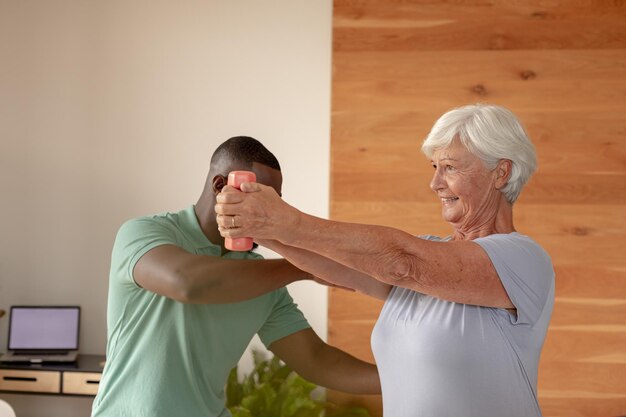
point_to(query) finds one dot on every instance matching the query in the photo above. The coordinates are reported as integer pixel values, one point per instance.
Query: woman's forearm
(455, 271)
(376, 251)
(329, 270)
(458, 271)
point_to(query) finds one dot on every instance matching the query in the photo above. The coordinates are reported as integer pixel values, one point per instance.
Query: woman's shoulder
(433, 238)
(513, 237)
(515, 245)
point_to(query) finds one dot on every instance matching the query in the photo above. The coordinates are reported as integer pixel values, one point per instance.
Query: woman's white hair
(492, 133)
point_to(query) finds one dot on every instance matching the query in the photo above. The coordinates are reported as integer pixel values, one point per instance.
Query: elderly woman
(465, 316)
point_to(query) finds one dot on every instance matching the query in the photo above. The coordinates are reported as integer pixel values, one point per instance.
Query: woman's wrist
(291, 225)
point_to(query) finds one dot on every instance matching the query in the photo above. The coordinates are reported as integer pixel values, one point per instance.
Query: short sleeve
(284, 319)
(242, 255)
(525, 270)
(134, 239)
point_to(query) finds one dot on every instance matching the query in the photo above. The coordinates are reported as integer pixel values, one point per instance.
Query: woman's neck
(502, 223)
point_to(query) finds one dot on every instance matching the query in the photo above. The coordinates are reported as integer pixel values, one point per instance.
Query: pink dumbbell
(241, 244)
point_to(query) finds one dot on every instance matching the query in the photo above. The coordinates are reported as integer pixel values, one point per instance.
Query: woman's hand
(256, 211)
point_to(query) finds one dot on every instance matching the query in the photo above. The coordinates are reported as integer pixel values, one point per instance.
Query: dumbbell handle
(240, 244)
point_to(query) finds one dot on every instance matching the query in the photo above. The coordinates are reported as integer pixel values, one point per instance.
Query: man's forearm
(241, 280)
(326, 365)
(172, 272)
(338, 370)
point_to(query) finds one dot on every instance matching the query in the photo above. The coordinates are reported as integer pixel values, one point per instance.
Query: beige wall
(110, 110)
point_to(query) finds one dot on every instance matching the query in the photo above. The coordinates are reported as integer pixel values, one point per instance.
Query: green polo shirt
(166, 358)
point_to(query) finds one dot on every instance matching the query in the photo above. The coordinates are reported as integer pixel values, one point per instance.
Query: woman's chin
(450, 216)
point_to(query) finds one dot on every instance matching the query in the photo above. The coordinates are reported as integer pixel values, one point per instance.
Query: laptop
(40, 334)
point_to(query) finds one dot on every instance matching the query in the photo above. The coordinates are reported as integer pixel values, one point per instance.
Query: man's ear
(503, 172)
(217, 183)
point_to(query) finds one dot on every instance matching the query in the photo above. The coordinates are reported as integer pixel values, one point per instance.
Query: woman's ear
(503, 172)
(217, 183)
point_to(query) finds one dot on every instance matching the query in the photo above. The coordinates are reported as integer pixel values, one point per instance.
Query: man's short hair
(244, 151)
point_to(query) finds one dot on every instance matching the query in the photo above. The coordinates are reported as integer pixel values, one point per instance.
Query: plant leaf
(234, 390)
(273, 390)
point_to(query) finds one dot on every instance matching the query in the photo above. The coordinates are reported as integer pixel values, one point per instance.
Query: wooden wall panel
(371, 25)
(561, 67)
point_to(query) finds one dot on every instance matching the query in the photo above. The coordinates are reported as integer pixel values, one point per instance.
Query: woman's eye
(449, 168)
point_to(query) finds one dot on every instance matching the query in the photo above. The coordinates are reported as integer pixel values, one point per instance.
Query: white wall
(111, 109)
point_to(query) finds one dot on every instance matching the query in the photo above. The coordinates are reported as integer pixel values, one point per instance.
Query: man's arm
(175, 273)
(325, 365)
(329, 270)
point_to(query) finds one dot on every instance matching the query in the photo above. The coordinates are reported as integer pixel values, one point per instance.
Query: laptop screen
(44, 328)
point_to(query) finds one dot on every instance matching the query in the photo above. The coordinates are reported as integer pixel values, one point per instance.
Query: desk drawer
(82, 383)
(30, 381)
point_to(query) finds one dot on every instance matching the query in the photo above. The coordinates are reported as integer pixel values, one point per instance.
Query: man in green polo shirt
(182, 309)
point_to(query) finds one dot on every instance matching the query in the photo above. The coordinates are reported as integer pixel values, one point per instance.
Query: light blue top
(166, 358)
(438, 358)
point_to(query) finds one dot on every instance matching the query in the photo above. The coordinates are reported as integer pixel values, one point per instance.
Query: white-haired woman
(465, 316)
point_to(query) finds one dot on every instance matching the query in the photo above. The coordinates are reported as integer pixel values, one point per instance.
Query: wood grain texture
(561, 67)
(477, 25)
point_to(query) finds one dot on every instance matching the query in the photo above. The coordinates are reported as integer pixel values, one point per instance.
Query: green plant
(274, 390)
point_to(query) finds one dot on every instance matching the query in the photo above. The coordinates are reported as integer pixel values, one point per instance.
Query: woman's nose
(436, 183)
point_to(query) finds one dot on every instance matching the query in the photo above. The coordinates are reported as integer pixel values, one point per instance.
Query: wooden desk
(79, 378)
